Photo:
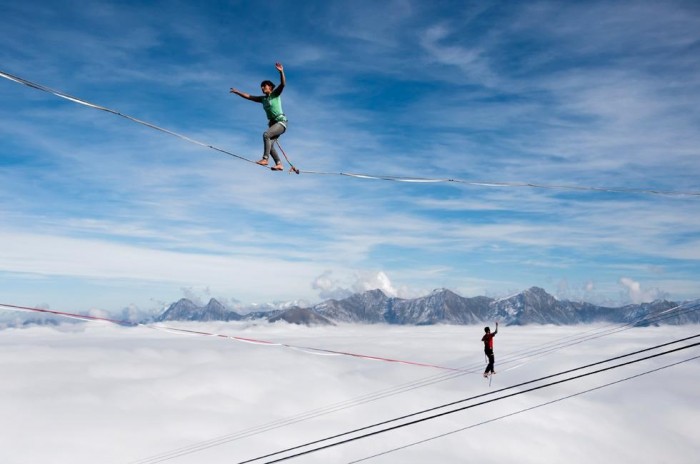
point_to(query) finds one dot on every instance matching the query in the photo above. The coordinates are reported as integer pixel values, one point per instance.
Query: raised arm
(283, 80)
(245, 95)
(496, 331)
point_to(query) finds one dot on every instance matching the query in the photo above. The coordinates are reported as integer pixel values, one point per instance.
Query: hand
(279, 67)
(233, 90)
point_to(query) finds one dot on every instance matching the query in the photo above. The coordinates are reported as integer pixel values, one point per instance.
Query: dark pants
(489, 354)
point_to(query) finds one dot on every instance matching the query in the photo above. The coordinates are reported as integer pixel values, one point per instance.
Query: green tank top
(273, 108)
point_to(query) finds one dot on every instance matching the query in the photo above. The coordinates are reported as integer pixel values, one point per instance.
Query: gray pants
(269, 136)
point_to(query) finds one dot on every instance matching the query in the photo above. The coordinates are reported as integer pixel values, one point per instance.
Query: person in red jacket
(488, 349)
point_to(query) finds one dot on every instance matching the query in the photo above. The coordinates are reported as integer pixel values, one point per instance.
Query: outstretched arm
(245, 95)
(283, 79)
(496, 331)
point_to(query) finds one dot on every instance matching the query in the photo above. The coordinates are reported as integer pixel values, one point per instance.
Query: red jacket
(488, 340)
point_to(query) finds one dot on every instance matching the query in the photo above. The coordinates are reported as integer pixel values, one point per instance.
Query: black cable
(521, 411)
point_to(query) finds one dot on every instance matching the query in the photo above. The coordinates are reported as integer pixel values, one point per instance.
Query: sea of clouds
(96, 392)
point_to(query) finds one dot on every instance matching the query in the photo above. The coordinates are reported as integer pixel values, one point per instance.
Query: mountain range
(442, 306)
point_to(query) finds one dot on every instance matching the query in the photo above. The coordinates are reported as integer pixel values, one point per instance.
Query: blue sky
(100, 212)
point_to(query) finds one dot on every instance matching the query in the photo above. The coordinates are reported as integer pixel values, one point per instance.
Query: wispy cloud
(599, 95)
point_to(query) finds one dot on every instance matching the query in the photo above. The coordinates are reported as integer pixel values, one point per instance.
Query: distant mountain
(361, 307)
(186, 310)
(536, 306)
(442, 306)
(301, 316)
(532, 306)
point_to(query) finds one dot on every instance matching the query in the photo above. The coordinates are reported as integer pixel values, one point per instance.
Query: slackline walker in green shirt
(277, 121)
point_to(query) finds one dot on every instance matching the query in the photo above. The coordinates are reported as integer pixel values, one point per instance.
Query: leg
(273, 152)
(269, 136)
(489, 367)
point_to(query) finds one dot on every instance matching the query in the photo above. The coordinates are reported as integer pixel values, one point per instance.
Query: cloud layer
(88, 393)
